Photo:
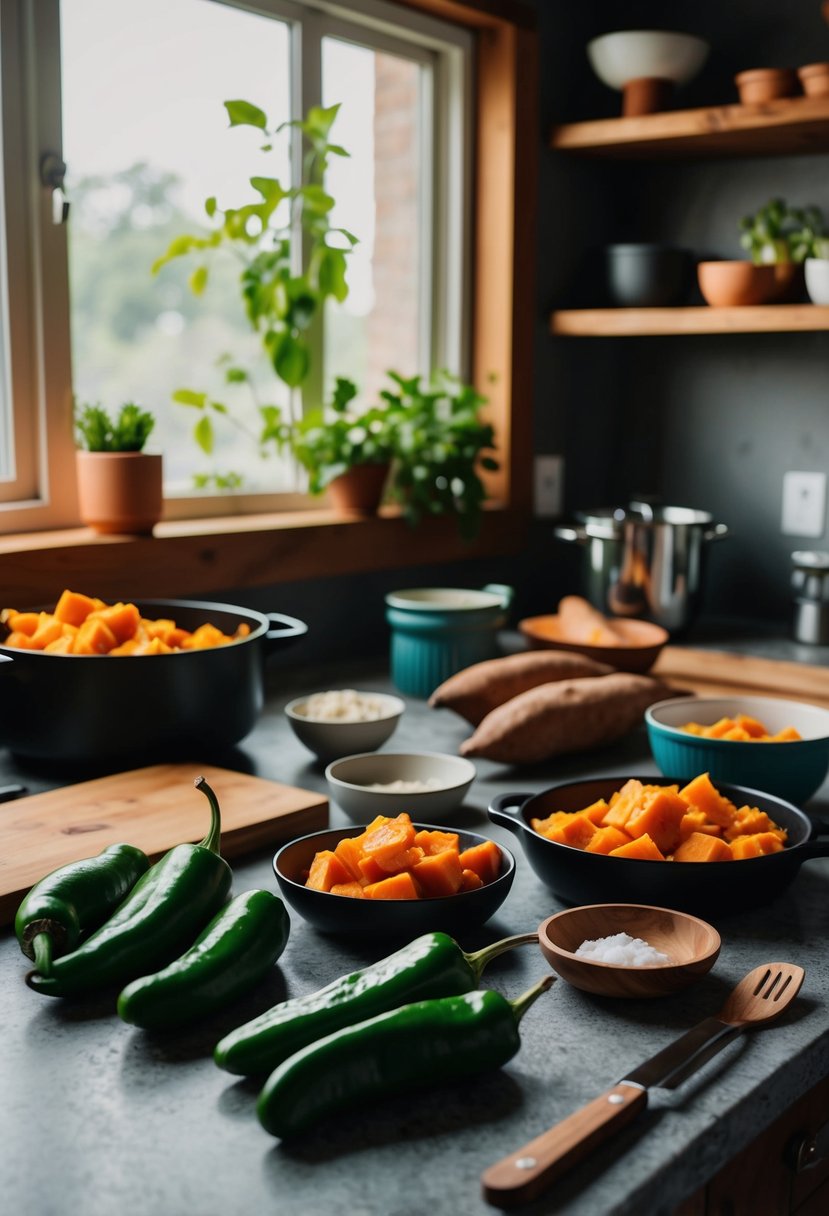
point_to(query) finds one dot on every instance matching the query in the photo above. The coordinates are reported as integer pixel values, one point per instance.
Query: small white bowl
(817, 279)
(350, 781)
(328, 738)
(627, 55)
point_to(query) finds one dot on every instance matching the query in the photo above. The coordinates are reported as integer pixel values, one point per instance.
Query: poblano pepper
(431, 966)
(159, 919)
(227, 959)
(419, 1045)
(75, 899)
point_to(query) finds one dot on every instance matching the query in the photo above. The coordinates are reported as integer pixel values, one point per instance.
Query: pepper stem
(479, 959)
(42, 948)
(522, 1003)
(213, 839)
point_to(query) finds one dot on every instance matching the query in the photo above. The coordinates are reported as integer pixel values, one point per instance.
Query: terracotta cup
(765, 84)
(814, 79)
(359, 491)
(646, 95)
(735, 284)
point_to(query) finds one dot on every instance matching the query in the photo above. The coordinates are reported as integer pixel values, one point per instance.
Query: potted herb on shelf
(119, 484)
(778, 239)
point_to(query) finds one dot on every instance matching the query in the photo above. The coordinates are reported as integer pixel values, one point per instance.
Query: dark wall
(711, 422)
(707, 422)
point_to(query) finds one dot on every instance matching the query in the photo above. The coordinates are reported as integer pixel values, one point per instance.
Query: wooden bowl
(642, 642)
(690, 943)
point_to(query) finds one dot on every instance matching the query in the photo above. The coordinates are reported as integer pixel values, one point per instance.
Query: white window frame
(44, 495)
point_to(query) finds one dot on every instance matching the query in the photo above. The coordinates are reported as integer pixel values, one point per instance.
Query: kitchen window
(129, 93)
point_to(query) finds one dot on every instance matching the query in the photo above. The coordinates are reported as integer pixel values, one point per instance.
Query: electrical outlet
(804, 504)
(548, 489)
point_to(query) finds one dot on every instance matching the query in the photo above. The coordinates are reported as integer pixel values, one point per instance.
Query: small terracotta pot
(732, 284)
(765, 84)
(646, 95)
(789, 283)
(119, 492)
(359, 491)
(814, 78)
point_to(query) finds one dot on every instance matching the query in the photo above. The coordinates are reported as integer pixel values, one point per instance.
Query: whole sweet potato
(570, 716)
(478, 689)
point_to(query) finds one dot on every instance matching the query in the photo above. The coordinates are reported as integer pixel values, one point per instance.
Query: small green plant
(97, 431)
(440, 443)
(780, 233)
(329, 441)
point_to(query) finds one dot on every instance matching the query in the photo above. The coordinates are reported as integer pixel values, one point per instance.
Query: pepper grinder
(810, 582)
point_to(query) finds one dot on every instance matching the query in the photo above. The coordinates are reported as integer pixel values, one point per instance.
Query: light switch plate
(804, 504)
(548, 490)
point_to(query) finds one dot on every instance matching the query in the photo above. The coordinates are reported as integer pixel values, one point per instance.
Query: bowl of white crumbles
(339, 722)
(427, 785)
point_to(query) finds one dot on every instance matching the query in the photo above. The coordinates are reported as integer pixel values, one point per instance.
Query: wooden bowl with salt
(691, 946)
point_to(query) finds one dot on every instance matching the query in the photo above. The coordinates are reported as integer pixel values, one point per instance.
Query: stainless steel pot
(645, 561)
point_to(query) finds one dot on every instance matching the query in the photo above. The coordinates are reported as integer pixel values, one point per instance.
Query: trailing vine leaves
(292, 261)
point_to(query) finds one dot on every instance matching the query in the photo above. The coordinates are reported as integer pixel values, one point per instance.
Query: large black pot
(703, 888)
(99, 708)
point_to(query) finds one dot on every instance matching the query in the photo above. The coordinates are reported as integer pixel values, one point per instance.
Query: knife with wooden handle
(760, 996)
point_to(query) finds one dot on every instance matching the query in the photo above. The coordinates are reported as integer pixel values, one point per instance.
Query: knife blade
(525, 1174)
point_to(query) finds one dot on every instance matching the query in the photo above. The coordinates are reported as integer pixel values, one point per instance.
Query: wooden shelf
(789, 126)
(649, 322)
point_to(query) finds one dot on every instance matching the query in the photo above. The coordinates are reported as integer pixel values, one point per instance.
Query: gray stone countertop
(100, 1117)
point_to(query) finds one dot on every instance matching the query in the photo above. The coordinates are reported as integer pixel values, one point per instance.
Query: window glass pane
(146, 140)
(378, 192)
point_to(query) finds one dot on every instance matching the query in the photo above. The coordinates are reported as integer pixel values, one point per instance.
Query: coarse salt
(622, 950)
(405, 787)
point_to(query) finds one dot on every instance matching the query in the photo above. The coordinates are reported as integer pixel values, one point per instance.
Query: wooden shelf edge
(656, 322)
(259, 551)
(785, 126)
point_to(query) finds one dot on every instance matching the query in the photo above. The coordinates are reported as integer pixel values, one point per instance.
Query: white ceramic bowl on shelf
(817, 279)
(664, 55)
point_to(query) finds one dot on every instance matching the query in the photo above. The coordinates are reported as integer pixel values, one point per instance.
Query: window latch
(52, 174)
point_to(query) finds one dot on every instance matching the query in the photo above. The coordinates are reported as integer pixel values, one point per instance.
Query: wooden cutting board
(714, 673)
(153, 808)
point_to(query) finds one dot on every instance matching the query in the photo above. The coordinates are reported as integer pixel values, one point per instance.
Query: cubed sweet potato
(396, 886)
(435, 841)
(660, 817)
(576, 831)
(352, 889)
(641, 849)
(605, 840)
(701, 793)
(701, 847)
(755, 846)
(484, 859)
(74, 608)
(327, 871)
(439, 874)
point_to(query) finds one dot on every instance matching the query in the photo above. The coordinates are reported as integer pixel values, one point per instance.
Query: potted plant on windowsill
(345, 454)
(119, 484)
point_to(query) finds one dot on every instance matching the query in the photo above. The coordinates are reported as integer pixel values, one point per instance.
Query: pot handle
(292, 628)
(716, 532)
(5, 658)
(503, 591)
(505, 809)
(563, 532)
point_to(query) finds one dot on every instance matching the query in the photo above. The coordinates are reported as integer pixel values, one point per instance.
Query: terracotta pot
(789, 283)
(814, 78)
(646, 95)
(731, 284)
(766, 84)
(119, 491)
(359, 491)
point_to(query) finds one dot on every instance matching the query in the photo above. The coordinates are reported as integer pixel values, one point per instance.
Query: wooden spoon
(761, 995)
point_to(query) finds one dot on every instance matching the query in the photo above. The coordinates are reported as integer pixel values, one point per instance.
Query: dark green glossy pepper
(75, 899)
(431, 966)
(227, 959)
(419, 1045)
(159, 919)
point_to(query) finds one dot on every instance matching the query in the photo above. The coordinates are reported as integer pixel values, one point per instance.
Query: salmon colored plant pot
(119, 492)
(359, 491)
(814, 79)
(735, 284)
(646, 95)
(765, 84)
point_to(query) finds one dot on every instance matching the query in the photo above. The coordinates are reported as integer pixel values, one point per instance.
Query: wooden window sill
(188, 558)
